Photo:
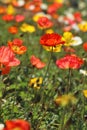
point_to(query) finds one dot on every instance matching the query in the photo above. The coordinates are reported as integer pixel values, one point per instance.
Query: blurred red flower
(19, 18)
(13, 30)
(44, 22)
(37, 62)
(52, 39)
(16, 46)
(69, 61)
(8, 17)
(7, 60)
(54, 7)
(69, 49)
(85, 46)
(17, 124)
(17, 42)
(78, 16)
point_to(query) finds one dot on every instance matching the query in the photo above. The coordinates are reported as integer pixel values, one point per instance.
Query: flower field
(43, 65)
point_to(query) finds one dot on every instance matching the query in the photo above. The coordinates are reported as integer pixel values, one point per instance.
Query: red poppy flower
(17, 124)
(44, 22)
(85, 46)
(19, 18)
(78, 16)
(54, 7)
(8, 17)
(52, 39)
(13, 30)
(17, 42)
(16, 46)
(7, 59)
(37, 62)
(69, 61)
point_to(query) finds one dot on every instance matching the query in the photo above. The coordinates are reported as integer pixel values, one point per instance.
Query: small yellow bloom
(59, 1)
(23, 28)
(53, 49)
(83, 26)
(65, 100)
(10, 9)
(49, 31)
(85, 93)
(27, 28)
(36, 82)
(67, 37)
(30, 29)
(37, 16)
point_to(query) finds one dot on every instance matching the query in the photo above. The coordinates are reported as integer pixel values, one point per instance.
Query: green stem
(62, 120)
(42, 90)
(44, 87)
(69, 81)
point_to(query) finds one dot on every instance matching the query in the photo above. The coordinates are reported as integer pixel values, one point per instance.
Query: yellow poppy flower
(65, 100)
(30, 29)
(54, 48)
(10, 9)
(59, 1)
(67, 37)
(27, 28)
(23, 28)
(85, 93)
(36, 82)
(49, 31)
(37, 16)
(83, 26)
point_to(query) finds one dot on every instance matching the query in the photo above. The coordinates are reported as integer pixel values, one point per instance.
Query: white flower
(21, 2)
(82, 4)
(43, 14)
(31, 7)
(76, 41)
(43, 6)
(84, 72)
(1, 126)
(61, 19)
(69, 15)
(75, 27)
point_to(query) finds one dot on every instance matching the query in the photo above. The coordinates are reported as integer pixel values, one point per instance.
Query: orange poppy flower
(44, 22)
(69, 61)
(52, 39)
(33, 6)
(85, 46)
(7, 60)
(2, 10)
(17, 47)
(13, 30)
(36, 62)
(17, 124)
